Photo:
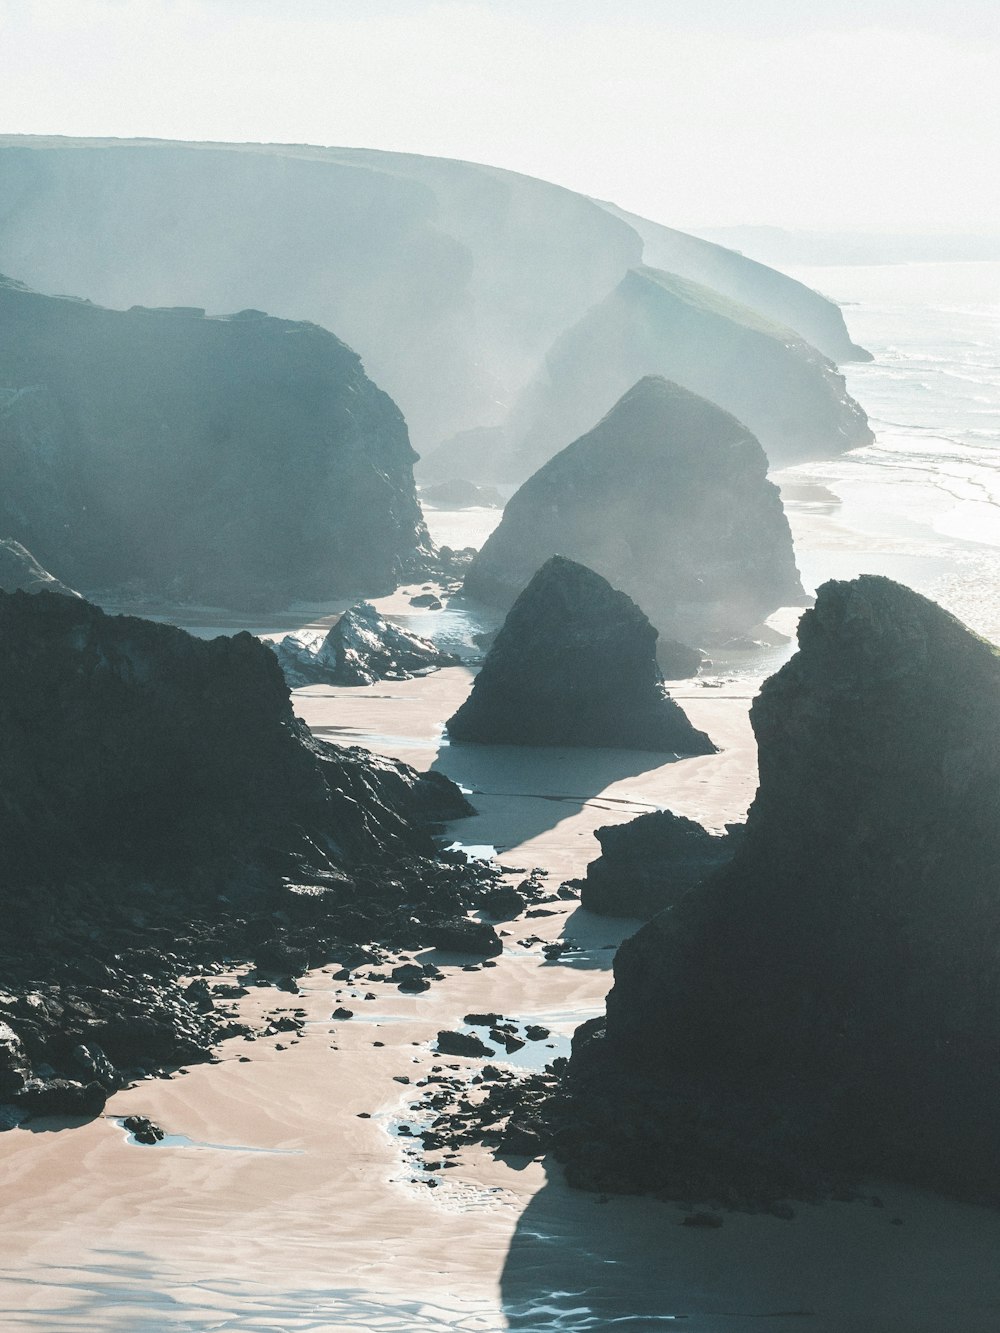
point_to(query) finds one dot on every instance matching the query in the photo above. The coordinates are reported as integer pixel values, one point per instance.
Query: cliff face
(574, 664)
(451, 279)
(240, 461)
(789, 395)
(829, 1001)
(775, 295)
(668, 499)
(20, 571)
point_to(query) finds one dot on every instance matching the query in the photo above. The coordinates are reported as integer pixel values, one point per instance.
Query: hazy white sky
(870, 114)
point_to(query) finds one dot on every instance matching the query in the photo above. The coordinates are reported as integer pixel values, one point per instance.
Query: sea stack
(574, 664)
(667, 498)
(828, 1005)
(242, 461)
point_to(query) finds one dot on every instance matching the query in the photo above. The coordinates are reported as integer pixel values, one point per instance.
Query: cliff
(667, 498)
(787, 393)
(574, 664)
(826, 1007)
(245, 461)
(451, 279)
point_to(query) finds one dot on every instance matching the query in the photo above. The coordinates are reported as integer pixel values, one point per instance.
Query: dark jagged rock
(574, 664)
(788, 394)
(361, 648)
(246, 461)
(161, 808)
(668, 498)
(828, 1005)
(459, 494)
(21, 572)
(649, 863)
(462, 1043)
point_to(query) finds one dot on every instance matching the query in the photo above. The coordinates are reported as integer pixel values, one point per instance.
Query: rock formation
(361, 648)
(828, 1004)
(574, 664)
(789, 395)
(668, 498)
(161, 809)
(20, 571)
(458, 494)
(452, 280)
(649, 863)
(245, 461)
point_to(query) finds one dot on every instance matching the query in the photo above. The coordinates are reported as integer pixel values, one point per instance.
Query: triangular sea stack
(575, 664)
(667, 498)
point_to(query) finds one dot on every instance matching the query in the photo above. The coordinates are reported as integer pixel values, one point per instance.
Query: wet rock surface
(574, 664)
(649, 863)
(242, 461)
(667, 497)
(361, 648)
(825, 1006)
(161, 810)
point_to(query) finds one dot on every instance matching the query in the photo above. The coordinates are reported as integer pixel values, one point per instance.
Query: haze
(878, 116)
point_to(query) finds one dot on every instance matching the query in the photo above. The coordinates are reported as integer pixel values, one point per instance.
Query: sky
(873, 115)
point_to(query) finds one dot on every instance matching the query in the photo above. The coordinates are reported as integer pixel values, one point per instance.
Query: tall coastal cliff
(452, 280)
(245, 461)
(826, 1006)
(668, 498)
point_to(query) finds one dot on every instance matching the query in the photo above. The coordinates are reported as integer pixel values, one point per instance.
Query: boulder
(574, 664)
(649, 863)
(827, 1006)
(20, 571)
(667, 498)
(361, 648)
(245, 461)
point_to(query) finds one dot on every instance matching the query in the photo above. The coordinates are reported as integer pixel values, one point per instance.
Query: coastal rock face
(20, 571)
(451, 279)
(162, 810)
(361, 648)
(667, 498)
(649, 863)
(829, 1003)
(787, 393)
(245, 461)
(574, 664)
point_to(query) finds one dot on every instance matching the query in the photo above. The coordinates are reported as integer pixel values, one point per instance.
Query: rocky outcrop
(828, 1005)
(20, 571)
(574, 664)
(789, 395)
(244, 461)
(161, 809)
(361, 648)
(451, 279)
(458, 494)
(649, 863)
(667, 498)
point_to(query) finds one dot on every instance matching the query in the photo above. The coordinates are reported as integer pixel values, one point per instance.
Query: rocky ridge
(361, 648)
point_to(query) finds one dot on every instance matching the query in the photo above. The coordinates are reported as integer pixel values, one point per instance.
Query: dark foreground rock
(243, 461)
(667, 498)
(574, 664)
(161, 809)
(649, 863)
(361, 648)
(828, 1005)
(21, 572)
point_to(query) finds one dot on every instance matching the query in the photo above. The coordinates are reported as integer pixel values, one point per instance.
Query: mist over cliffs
(452, 281)
(245, 461)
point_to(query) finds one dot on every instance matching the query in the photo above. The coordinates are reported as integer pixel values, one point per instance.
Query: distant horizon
(878, 117)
